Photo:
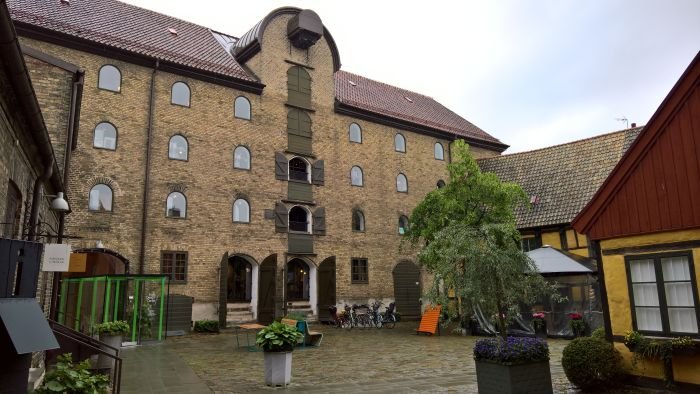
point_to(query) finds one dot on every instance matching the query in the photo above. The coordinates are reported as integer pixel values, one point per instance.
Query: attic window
(408, 99)
(534, 200)
(172, 31)
(352, 83)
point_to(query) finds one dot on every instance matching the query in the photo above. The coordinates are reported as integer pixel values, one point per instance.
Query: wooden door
(407, 289)
(326, 288)
(266, 291)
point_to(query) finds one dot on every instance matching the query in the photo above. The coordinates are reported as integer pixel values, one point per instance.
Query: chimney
(634, 125)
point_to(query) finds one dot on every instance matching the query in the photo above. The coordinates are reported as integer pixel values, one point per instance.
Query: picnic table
(247, 328)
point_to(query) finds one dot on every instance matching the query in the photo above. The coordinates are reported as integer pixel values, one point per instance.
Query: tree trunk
(501, 320)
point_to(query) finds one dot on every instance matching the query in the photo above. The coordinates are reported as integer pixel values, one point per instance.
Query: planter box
(103, 361)
(511, 379)
(278, 368)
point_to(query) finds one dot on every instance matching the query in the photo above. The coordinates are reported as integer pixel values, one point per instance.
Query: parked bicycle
(388, 317)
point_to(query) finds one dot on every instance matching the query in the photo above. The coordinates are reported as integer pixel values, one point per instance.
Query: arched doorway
(407, 289)
(100, 261)
(297, 287)
(239, 280)
(266, 292)
(326, 288)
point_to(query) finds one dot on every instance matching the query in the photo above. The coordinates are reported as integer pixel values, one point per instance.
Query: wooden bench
(429, 321)
(312, 338)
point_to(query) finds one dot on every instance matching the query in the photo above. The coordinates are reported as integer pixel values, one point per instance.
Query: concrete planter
(111, 340)
(512, 379)
(278, 368)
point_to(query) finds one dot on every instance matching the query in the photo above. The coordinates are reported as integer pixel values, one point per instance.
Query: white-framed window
(358, 220)
(355, 133)
(356, 176)
(299, 170)
(241, 108)
(178, 148)
(241, 158)
(241, 211)
(105, 136)
(100, 199)
(180, 94)
(176, 205)
(439, 151)
(400, 143)
(401, 183)
(299, 219)
(109, 78)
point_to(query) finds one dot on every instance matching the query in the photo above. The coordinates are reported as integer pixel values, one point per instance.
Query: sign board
(56, 258)
(78, 262)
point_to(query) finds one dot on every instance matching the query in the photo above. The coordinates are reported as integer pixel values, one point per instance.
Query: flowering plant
(577, 324)
(511, 350)
(538, 320)
(575, 316)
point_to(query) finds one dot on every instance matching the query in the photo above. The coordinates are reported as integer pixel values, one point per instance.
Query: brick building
(254, 171)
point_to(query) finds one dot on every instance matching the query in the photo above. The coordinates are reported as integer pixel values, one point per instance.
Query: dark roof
(380, 98)
(134, 29)
(563, 177)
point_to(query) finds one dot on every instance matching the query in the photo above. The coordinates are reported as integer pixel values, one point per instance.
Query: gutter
(146, 178)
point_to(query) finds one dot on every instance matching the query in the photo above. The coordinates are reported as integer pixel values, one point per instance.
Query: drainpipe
(36, 198)
(146, 178)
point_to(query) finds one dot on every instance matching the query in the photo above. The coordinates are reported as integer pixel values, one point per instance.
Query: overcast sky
(531, 73)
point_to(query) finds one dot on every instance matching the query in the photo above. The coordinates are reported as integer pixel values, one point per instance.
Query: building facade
(254, 171)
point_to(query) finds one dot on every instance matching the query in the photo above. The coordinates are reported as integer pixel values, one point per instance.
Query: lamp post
(60, 205)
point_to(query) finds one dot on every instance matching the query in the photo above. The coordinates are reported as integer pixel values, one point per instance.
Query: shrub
(206, 326)
(511, 351)
(591, 364)
(598, 333)
(278, 337)
(67, 377)
(119, 327)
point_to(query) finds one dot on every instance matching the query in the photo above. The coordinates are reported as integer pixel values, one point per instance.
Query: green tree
(470, 243)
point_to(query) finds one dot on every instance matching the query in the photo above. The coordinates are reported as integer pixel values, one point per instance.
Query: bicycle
(388, 317)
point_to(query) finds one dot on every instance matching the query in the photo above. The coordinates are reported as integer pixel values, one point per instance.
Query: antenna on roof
(624, 119)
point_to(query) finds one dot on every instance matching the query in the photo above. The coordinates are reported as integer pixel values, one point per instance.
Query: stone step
(234, 307)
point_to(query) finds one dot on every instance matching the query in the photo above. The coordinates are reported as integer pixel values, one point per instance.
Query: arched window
(399, 143)
(440, 184)
(100, 199)
(180, 94)
(105, 136)
(299, 170)
(177, 148)
(355, 133)
(241, 158)
(358, 220)
(439, 151)
(403, 224)
(356, 176)
(401, 183)
(241, 108)
(110, 78)
(299, 219)
(176, 205)
(298, 87)
(241, 211)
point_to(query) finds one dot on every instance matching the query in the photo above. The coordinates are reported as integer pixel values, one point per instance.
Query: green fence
(140, 300)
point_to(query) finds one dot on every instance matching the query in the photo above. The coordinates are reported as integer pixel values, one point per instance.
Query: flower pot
(541, 330)
(278, 368)
(520, 378)
(114, 341)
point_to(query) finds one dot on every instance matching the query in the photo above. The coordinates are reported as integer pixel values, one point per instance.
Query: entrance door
(297, 281)
(407, 289)
(240, 280)
(326, 288)
(266, 290)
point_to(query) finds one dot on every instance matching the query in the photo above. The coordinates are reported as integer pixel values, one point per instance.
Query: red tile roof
(387, 100)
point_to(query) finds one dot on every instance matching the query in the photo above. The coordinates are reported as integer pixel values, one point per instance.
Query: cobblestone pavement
(359, 360)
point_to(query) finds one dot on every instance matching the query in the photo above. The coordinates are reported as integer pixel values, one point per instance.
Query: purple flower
(511, 351)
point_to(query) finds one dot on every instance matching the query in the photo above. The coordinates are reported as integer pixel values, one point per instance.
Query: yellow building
(644, 224)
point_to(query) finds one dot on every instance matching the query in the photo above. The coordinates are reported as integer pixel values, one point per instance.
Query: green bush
(598, 333)
(67, 377)
(278, 337)
(206, 326)
(591, 364)
(119, 327)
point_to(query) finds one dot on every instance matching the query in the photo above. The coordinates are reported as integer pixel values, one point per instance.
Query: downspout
(36, 198)
(146, 178)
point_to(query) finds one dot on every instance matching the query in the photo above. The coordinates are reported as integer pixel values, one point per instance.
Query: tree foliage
(471, 245)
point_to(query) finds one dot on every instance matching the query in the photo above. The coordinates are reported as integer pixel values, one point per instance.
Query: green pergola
(138, 299)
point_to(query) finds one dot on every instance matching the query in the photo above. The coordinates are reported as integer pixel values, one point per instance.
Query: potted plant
(66, 377)
(513, 365)
(659, 349)
(539, 324)
(277, 342)
(577, 324)
(111, 333)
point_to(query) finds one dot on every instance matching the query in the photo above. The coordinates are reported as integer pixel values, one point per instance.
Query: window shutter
(281, 218)
(298, 123)
(281, 167)
(317, 173)
(319, 226)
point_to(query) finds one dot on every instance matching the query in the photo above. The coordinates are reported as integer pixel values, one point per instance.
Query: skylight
(408, 99)
(172, 31)
(352, 83)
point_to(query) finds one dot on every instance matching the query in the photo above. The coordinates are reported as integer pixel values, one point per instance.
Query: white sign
(56, 258)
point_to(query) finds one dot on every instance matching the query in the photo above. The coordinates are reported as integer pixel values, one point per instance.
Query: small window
(241, 108)
(241, 158)
(105, 136)
(403, 224)
(528, 243)
(174, 265)
(100, 198)
(359, 271)
(401, 183)
(110, 78)
(299, 170)
(440, 184)
(355, 133)
(176, 205)
(241, 211)
(358, 220)
(299, 219)
(178, 148)
(180, 94)
(439, 151)
(399, 143)
(356, 176)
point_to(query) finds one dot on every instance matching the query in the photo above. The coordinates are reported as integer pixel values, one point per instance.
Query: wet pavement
(358, 360)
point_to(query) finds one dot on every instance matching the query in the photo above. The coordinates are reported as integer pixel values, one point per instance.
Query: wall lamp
(59, 204)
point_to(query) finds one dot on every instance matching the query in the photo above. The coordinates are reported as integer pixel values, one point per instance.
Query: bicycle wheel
(390, 321)
(379, 321)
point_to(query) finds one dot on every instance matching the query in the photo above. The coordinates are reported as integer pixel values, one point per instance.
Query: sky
(531, 73)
